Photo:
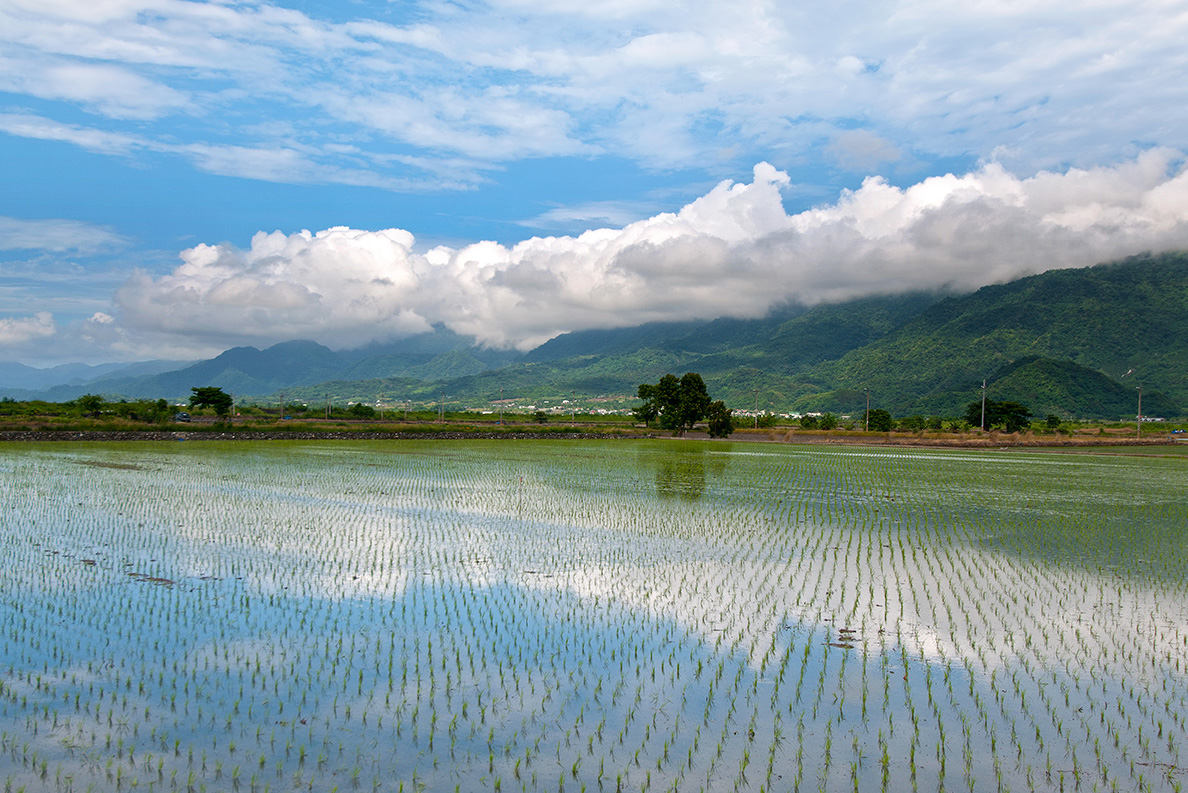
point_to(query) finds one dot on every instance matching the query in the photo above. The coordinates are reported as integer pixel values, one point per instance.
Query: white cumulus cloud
(19, 331)
(732, 252)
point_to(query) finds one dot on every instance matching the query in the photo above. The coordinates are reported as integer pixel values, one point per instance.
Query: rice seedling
(462, 615)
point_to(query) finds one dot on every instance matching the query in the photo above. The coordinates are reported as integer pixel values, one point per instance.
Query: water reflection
(681, 472)
(394, 622)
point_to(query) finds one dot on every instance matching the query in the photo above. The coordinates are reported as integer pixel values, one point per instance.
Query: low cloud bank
(16, 331)
(732, 252)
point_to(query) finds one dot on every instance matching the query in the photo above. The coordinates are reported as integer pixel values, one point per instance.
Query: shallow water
(579, 615)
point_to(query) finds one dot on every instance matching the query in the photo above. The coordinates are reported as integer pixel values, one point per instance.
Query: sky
(177, 177)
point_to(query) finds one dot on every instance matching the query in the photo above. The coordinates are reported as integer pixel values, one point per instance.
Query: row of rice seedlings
(532, 618)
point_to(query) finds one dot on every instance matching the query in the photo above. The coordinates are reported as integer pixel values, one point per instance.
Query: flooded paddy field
(581, 616)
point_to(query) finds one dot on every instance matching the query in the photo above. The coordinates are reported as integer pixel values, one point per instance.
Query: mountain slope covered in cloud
(1128, 316)
(1061, 341)
(917, 353)
(733, 252)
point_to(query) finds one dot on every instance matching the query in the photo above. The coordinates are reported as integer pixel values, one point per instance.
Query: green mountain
(1114, 318)
(787, 340)
(1070, 390)
(247, 371)
(1077, 343)
(1059, 342)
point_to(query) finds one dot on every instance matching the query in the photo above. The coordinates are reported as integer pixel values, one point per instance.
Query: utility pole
(756, 408)
(282, 407)
(1138, 425)
(983, 405)
(867, 427)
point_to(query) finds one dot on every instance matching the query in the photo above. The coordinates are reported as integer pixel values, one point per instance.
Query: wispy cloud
(57, 235)
(28, 125)
(283, 161)
(591, 214)
(861, 151)
(1031, 98)
(1053, 83)
(109, 90)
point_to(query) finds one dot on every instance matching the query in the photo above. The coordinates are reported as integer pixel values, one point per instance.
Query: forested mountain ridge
(1078, 342)
(1111, 318)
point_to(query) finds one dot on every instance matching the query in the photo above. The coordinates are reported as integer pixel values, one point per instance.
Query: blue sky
(180, 177)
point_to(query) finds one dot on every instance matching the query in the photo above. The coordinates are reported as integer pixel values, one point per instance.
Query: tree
(693, 402)
(911, 423)
(649, 410)
(879, 420)
(808, 422)
(667, 394)
(1010, 415)
(1015, 417)
(829, 422)
(720, 422)
(679, 403)
(90, 404)
(143, 410)
(1053, 421)
(212, 397)
(361, 411)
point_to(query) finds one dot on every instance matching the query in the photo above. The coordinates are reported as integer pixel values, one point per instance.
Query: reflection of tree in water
(682, 474)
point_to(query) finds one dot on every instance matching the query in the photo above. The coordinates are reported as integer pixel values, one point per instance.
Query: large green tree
(720, 422)
(90, 404)
(1011, 416)
(212, 397)
(878, 420)
(679, 403)
(649, 410)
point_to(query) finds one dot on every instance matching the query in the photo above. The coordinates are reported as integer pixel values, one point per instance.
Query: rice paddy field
(580, 616)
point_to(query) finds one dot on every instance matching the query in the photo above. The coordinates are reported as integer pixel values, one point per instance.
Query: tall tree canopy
(720, 422)
(649, 410)
(678, 403)
(878, 420)
(1011, 416)
(212, 397)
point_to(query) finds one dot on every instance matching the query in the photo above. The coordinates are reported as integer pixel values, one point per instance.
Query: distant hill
(1063, 388)
(22, 382)
(1112, 318)
(1059, 342)
(247, 371)
(786, 340)
(18, 375)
